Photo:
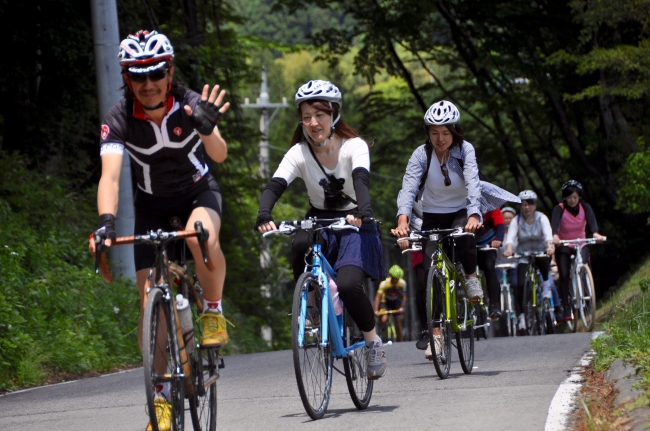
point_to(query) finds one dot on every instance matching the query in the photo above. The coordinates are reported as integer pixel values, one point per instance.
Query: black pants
(349, 280)
(544, 266)
(563, 259)
(486, 261)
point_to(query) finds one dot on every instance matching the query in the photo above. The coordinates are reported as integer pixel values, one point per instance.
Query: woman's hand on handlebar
(354, 221)
(508, 251)
(402, 229)
(473, 223)
(267, 227)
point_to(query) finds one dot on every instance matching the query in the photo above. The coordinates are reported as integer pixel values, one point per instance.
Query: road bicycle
(389, 328)
(534, 311)
(583, 291)
(508, 319)
(448, 309)
(319, 334)
(169, 355)
(483, 305)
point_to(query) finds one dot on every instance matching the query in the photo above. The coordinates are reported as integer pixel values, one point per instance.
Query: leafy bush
(56, 315)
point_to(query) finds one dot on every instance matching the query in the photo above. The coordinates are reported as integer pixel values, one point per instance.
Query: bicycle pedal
(222, 364)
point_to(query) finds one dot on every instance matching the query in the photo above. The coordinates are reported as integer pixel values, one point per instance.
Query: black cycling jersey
(168, 160)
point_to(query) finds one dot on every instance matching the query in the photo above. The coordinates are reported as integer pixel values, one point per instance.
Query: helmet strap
(333, 121)
(310, 140)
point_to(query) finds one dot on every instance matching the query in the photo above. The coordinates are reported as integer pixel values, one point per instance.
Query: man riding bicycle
(166, 130)
(391, 295)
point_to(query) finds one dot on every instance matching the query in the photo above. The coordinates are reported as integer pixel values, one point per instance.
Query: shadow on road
(336, 413)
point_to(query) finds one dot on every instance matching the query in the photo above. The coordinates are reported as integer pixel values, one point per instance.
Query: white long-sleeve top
(530, 237)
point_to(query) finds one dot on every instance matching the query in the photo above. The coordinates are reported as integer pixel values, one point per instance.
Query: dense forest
(548, 90)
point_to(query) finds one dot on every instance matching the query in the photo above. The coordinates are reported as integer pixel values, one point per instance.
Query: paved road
(511, 388)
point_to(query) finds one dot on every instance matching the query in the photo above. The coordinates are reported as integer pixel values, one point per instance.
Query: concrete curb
(563, 402)
(633, 402)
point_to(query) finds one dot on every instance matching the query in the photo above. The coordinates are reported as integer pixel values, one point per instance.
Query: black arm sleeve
(361, 183)
(591, 218)
(270, 196)
(555, 219)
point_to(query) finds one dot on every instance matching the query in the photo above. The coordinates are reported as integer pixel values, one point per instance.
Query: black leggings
(563, 259)
(349, 280)
(486, 261)
(544, 266)
(465, 250)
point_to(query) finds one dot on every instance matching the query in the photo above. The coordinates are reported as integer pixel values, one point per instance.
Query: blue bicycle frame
(321, 269)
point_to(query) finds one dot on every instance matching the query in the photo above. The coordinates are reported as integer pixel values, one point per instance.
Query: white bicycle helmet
(145, 48)
(572, 183)
(319, 89)
(527, 194)
(508, 209)
(441, 113)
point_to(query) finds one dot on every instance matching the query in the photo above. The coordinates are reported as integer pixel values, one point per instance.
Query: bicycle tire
(573, 302)
(442, 361)
(587, 302)
(529, 313)
(482, 318)
(465, 338)
(159, 346)
(355, 367)
(549, 316)
(205, 372)
(312, 363)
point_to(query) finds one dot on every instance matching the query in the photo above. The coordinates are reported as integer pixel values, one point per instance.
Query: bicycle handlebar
(582, 241)
(383, 311)
(416, 237)
(529, 254)
(288, 227)
(157, 237)
(506, 265)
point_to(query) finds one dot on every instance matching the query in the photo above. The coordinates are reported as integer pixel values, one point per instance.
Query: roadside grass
(624, 317)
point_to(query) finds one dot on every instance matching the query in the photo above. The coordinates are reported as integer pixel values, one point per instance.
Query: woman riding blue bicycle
(334, 162)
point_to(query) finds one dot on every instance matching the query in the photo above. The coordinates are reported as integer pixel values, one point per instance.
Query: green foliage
(56, 315)
(628, 335)
(635, 183)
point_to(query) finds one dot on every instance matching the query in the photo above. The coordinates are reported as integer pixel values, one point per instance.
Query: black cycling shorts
(153, 213)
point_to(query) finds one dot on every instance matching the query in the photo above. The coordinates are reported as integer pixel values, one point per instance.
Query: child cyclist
(391, 295)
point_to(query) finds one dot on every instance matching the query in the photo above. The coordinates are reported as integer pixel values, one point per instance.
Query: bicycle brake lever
(202, 235)
(99, 249)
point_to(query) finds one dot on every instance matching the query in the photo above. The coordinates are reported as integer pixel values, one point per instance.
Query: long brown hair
(341, 128)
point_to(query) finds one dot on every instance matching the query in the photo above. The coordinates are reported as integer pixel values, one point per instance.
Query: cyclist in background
(166, 129)
(391, 295)
(569, 220)
(334, 162)
(508, 213)
(491, 233)
(532, 231)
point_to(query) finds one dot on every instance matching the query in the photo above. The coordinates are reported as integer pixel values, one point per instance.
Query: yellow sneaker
(164, 415)
(214, 330)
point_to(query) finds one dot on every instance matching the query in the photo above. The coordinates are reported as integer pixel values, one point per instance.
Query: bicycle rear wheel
(481, 319)
(161, 361)
(203, 405)
(465, 336)
(437, 316)
(549, 316)
(539, 315)
(355, 366)
(588, 301)
(312, 362)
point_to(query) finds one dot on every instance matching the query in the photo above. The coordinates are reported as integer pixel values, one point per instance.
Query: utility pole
(106, 40)
(264, 105)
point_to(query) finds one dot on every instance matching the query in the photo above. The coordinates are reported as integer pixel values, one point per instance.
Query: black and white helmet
(527, 194)
(572, 183)
(145, 47)
(319, 89)
(441, 113)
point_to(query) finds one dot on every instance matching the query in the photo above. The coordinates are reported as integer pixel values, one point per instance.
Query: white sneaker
(473, 288)
(522, 322)
(376, 358)
(437, 340)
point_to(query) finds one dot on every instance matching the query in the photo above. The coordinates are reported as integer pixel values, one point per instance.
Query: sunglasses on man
(153, 76)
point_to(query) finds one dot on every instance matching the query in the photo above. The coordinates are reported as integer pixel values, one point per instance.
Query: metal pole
(106, 43)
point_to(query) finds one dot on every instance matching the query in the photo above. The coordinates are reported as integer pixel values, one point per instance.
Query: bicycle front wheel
(161, 362)
(465, 335)
(355, 366)
(588, 301)
(549, 316)
(437, 320)
(529, 312)
(312, 362)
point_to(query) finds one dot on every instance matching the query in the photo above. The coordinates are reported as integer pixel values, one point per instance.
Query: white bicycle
(583, 291)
